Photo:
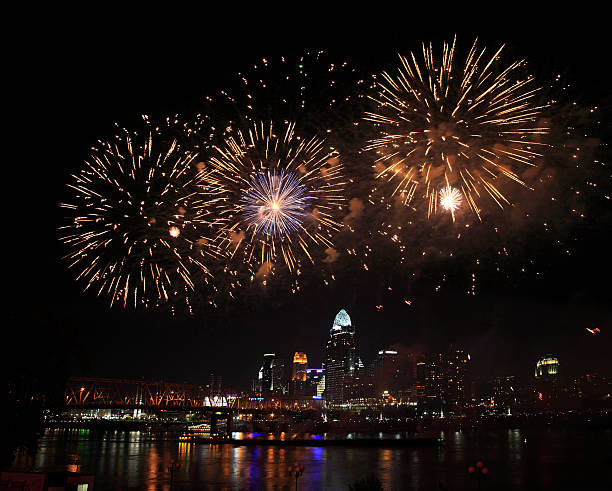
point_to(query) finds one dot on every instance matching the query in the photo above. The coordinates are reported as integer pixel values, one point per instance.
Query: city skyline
(332, 247)
(374, 357)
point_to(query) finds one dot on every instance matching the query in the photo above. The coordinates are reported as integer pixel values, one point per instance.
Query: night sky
(72, 79)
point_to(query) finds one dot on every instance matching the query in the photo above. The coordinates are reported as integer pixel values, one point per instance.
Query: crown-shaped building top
(342, 320)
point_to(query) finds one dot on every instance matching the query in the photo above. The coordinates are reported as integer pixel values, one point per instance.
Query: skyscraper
(547, 367)
(271, 374)
(547, 381)
(316, 378)
(300, 366)
(443, 380)
(435, 380)
(341, 356)
(265, 373)
(457, 376)
(386, 372)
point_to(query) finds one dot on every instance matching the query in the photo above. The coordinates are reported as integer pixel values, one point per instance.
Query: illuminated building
(457, 378)
(316, 378)
(505, 392)
(280, 377)
(408, 382)
(386, 372)
(442, 380)
(341, 356)
(547, 380)
(594, 389)
(271, 374)
(435, 381)
(420, 368)
(264, 380)
(358, 389)
(298, 385)
(547, 366)
(300, 366)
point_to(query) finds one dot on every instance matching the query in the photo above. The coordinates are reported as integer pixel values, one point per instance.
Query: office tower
(505, 392)
(300, 366)
(272, 374)
(341, 356)
(547, 378)
(421, 373)
(457, 378)
(265, 373)
(358, 389)
(298, 385)
(547, 367)
(386, 372)
(316, 378)
(280, 379)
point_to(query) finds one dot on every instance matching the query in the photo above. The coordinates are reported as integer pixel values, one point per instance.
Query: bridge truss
(107, 393)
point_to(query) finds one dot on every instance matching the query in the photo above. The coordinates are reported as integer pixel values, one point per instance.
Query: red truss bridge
(109, 393)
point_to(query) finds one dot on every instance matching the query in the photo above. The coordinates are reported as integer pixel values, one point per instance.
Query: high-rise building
(300, 366)
(298, 385)
(505, 392)
(547, 366)
(265, 373)
(358, 389)
(443, 380)
(457, 378)
(408, 383)
(435, 381)
(316, 378)
(421, 373)
(386, 372)
(547, 379)
(341, 356)
(271, 374)
(594, 388)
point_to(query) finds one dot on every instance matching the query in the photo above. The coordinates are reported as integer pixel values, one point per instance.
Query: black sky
(73, 76)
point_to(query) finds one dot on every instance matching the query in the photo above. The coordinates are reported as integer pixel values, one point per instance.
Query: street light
(295, 470)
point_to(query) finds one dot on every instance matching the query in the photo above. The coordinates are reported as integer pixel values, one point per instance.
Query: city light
(377, 216)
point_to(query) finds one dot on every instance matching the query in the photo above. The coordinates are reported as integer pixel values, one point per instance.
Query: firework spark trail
(140, 221)
(281, 195)
(441, 125)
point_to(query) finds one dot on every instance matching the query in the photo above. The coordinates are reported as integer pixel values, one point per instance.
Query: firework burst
(450, 199)
(441, 125)
(275, 203)
(141, 213)
(282, 195)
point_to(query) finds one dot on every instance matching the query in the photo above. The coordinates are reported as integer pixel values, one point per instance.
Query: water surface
(562, 459)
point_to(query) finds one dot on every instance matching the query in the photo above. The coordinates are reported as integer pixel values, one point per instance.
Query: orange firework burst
(140, 221)
(443, 125)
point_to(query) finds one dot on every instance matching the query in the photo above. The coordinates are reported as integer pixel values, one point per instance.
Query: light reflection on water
(139, 460)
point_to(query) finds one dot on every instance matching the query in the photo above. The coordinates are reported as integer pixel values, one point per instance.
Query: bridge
(109, 393)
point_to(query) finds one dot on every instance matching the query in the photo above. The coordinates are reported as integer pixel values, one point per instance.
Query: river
(544, 458)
